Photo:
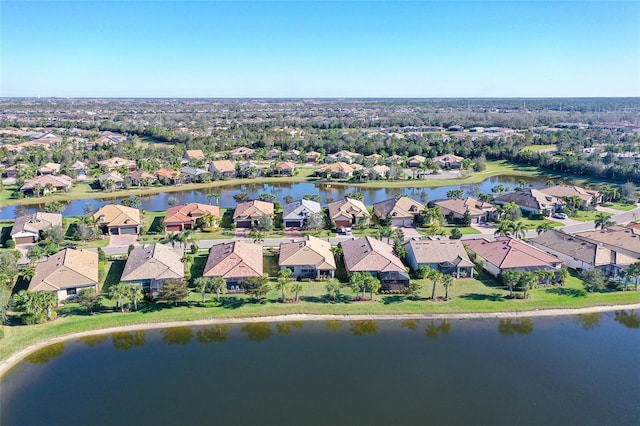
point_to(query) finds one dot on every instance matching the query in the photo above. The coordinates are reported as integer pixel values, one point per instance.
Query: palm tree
(134, 294)
(202, 285)
(219, 286)
(297, 289)
(49, 188)
(281, 285)
(603, 221)
(510, 278)
(518, 229)
(447, 281)
(37, 189)
(634, 272)
(504, 228)
(119, 292)
(543, 227)
(173, 238)
(437, 277)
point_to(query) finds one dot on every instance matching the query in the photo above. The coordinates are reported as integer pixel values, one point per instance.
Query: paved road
(618, 217)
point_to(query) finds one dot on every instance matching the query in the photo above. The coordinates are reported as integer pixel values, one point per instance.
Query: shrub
(10, 243)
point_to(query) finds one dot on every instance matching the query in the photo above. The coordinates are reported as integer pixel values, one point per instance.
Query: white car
(561, 216)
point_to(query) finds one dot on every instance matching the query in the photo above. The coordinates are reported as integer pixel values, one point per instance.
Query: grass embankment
(468, 296)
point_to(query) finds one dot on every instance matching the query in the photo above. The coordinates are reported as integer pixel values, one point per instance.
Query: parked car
(343, 230)
(561, 216)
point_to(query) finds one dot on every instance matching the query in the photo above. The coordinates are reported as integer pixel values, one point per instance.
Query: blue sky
(319, 49)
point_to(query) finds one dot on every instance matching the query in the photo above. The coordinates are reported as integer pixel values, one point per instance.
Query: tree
(257, 287)
(265, 223)
(36, 305)
(511, 211)
(118, 293)
(132, 201)
(55, 207)
(528, 280)
(371, 284)
(36, 253)
(174, 290)
(543, 227)
(504, 228)
(333, 288)
(447, 281)
(218, 286)
(203, 286)
(466, 218)
(357, 284)
(603, 221)
(455, 194)
(288, 199)
(436, 276)
(256, 235)
(296, 288)
(240, 197)
(510, 278)
(282, 286)
(134, 294)
(456, 234)
(518, 229)
(593, 280)
(9, 266)
(314, 221)
(413, 290)
(633, 272)
(89, 299)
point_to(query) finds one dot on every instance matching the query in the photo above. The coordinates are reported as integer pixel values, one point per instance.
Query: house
(222, 168)
(293, 154)
(448, 161)
(140, 178)
(580, 253)
(348, 212)
(446, 256)
(624, 241)
(589, 197)
(367, 254)
(531, 201)
(343, 156)
(480, 211)
(115, 219)
(416, 161)
(380, 171)
(193, 154)
(111, 180)
(28, 228)
(249, 169)
(66, 273)
(117, 162)
(79, 168)
(247, 214)
(338, 170)
(49, 169)
(400, 211)
(274, 153)
(152, 265)
(313, 156)
(193, 174)
(235, 261)
(243, 152)
(185, 216)
(58, 183)
(506, 253)
(169, 177)
(15, 171)
(373, 159)
(310, 257)
(297, 213)
(284, 168)
(394, 160)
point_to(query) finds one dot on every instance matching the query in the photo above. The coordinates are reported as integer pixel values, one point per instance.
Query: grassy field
(584, 216)
(467, 295)
(620, 206)
(535, 148)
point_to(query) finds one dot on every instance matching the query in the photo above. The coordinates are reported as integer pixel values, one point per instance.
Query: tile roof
(447, 158)
(401, 207)
(59, 181)
(153, 262)
(300, 209)
(234, 259)
(348, 207)
(222, 166)
(461, 205)
(188, 213)
(117, 215)
(36, 222)
(561, 191)
(617, 237)
(529, 198)
(573, 246)
(194, 154)
(117, 162)
(66, 269)
(368, 254)
(309, 251)
(439, 251)
(509, 253)
(253, 209)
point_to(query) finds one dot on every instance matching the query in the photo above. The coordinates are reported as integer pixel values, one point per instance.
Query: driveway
(484, 228)
(123, 240)
(293, 233)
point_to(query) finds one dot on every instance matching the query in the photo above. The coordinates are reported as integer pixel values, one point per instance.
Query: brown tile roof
(222, 166)
(117, 162)
(529, 198)
(348, 207)
(66, 269)
(439, 251)
(253, 209)
(340, 168)
(60, 181)
(153, 262)
(36, 222)
(617, 237)
(194, 154)
(234, 259)
(188, 213)
(417, 159)
(309, 251)
(447, 158)
(461, 205)
(509, 253)
(167, 173)
(401, 207)
(367, 254)
(574, 246)
(117, 215)
(561, 191)
(286, 165)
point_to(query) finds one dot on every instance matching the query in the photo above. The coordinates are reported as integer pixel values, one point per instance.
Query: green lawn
(465, 230)
(619, 206)
(532, 224)
(584, 216)
(534, 148)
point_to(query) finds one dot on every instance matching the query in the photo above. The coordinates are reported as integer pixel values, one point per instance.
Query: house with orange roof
(235, 261)
(185, 216)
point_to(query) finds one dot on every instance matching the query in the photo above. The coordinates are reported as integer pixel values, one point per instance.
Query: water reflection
(213, 334)
(411, 324)
(588, 321)
(123, 340)
(511, 326)
(435, 328)
(46, 354)
(333, 325)
(629, 319)
(176, 335)
(257, 331)
(286, 327)
(93, 341)
(362, 327)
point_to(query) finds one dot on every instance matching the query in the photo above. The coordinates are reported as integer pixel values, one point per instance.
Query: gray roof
(193, 171)
(300, 209)
(36, 222)
(153, 262)
(575, 247)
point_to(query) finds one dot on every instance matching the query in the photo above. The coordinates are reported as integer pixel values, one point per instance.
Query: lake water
(279, 190)
(573, 370)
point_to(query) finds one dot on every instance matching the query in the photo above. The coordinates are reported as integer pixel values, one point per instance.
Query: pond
(581, 369)
(279, 190)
